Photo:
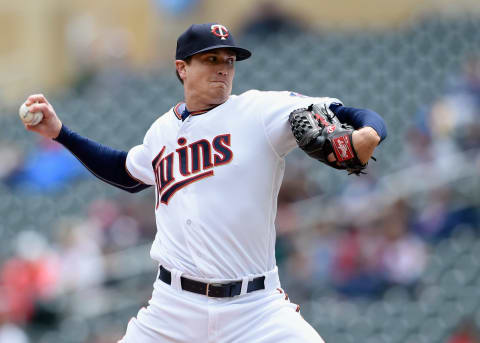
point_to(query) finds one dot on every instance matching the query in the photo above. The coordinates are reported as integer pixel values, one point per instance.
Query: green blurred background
(392, 256)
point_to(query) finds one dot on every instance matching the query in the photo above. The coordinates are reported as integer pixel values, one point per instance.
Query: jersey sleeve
(139, 161)
(276, 107)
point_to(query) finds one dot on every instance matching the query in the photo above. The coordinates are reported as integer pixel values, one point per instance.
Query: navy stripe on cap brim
(242, 54)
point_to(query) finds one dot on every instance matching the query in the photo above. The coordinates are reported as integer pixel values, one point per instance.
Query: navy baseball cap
(203, 37)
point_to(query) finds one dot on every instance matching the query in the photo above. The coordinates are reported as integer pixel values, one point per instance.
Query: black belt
(215, 290)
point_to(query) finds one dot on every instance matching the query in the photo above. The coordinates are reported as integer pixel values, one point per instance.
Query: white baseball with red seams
(29, 118)
(217, 177)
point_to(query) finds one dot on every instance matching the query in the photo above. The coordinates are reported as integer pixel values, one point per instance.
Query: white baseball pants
(177, 316)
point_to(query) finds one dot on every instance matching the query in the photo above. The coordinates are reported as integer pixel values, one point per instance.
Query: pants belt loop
(176, 281)
(271, 279)
(245, 281)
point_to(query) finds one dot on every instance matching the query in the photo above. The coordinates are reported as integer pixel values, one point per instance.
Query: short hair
(187, 61)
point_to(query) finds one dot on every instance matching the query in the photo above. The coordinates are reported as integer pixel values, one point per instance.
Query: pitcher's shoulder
(255, 94)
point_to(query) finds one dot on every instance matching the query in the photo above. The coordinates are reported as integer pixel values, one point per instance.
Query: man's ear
(181, 68)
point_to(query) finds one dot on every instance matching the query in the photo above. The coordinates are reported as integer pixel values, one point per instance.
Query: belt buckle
(207, 292)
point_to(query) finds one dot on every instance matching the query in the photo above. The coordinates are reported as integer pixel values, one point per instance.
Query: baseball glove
(319, 133)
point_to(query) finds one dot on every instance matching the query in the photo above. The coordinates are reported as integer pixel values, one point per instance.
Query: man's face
(208, 78)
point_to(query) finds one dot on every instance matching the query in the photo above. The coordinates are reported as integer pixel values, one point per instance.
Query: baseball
(28, 117)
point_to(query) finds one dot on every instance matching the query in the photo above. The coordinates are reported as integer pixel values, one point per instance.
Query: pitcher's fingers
(36, 98)
(39, 107)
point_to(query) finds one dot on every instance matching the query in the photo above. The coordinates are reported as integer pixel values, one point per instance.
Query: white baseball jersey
(217, 176)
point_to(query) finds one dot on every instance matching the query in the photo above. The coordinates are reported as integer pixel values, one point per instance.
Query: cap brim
(242, 54)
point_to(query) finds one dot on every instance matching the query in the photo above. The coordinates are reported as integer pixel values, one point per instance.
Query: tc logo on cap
(220, 31)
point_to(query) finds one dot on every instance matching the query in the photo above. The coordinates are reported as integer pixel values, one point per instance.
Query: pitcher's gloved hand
(319, 133)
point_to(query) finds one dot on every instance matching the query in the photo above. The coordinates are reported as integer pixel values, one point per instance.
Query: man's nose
(222, 71)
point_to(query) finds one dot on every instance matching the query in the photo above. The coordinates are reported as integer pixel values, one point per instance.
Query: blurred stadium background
(393, 256)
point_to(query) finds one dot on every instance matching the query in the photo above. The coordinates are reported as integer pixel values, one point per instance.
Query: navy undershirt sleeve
(105, 163)
(359, 118)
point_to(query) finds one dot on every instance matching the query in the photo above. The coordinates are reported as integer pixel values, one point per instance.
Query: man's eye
(212, 59)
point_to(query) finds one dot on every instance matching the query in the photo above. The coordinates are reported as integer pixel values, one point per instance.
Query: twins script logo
(220, 31)
(342, 147)
(195, 162)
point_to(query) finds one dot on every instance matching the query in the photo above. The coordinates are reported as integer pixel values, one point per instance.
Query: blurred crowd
(46, 168)
(465, 332)
(74, 259)
(367, 255)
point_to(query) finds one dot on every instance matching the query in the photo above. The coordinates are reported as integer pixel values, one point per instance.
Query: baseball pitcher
(216, 161)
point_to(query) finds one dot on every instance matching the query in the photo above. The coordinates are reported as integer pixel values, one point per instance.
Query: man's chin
(218, 98)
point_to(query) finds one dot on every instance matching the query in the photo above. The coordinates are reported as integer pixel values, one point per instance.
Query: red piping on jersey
(175, 110)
